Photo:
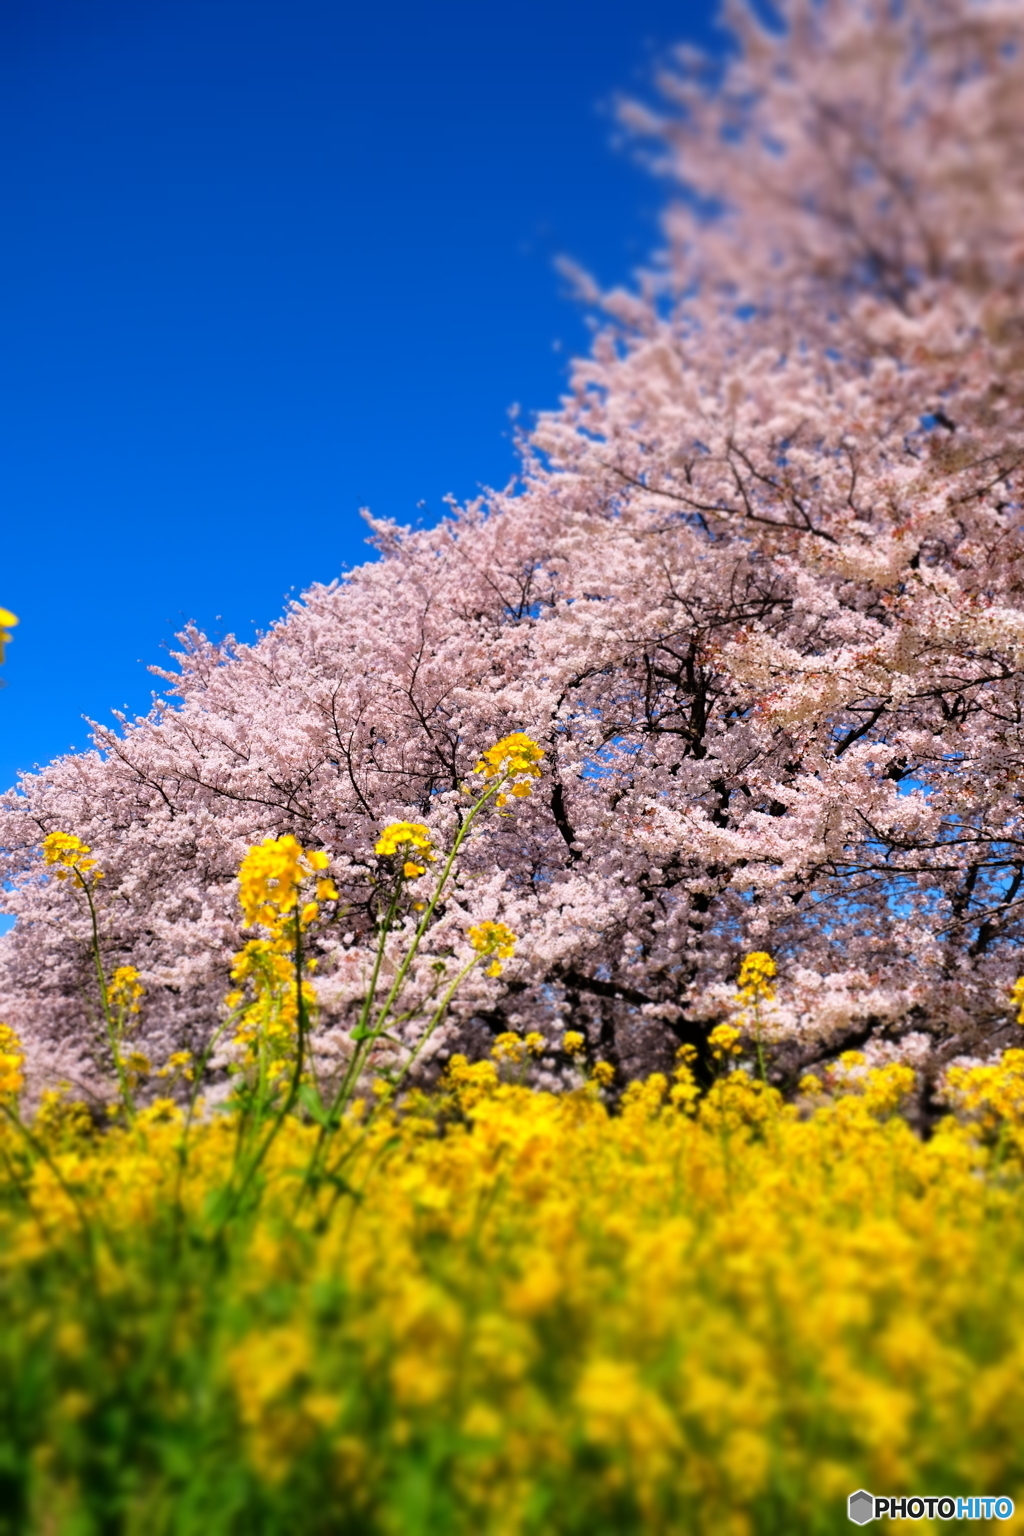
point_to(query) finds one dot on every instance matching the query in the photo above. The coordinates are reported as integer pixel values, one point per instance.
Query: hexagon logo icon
(860, 1507)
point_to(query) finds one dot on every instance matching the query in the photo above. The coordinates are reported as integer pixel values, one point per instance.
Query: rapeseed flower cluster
(125, 989)
(515, 1048)
(724, 1041)
(272, 883)
(513, 761)
(124, 1003)
(755, 978)
(1017, 998)
(281, 887)
(991, 1097)
(12, 1062)
(517, 1312)
(68, 855)
(412, 841)
(755, 988)
(265, 1005)
(120, 994)
(493, 939)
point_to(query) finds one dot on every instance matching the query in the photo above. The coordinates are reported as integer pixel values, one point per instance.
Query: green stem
(365, 1046)
(302, 1019)
(436, 1019)
(114, 1031)
(441, 1010)
(424, 921)
(350, 1074)
(757, 1040)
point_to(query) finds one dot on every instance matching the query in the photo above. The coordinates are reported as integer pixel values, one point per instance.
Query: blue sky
(265, 262)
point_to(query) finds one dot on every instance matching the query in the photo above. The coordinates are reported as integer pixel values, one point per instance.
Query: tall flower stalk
(508, 770)
(755, 987)
(120, 996)
(281, 887)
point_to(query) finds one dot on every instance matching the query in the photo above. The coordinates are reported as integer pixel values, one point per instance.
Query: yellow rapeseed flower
(404, 838)
(61, 1123)
(991, 1098)
(755, 977)
(179, 1062)
(724, 1041)
(137, 1066)
(573, 1042)
(270, 880)
(12, 1060)
(508, 1046)
(8, 620)
(67, 854)
(125, 990)
(495, 939)
(12, 1078)
(489, 938)
(262, 957)
(268, 1022)
(516, 758)
(1017, 998)
(755, 1306)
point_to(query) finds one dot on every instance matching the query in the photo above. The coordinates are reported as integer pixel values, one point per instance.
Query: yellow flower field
(494, 1309)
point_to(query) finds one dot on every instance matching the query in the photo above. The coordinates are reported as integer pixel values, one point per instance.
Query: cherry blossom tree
(759, 594)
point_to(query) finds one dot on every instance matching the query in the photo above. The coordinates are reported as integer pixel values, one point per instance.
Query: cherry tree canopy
(759, 595)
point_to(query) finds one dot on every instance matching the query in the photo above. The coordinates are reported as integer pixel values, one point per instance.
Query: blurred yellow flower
(125, 990)
(495, 939)
(724, 1041)
(508, 1046)
(755, 977)
(12, 1060)
(8, 620)
(1017, 998)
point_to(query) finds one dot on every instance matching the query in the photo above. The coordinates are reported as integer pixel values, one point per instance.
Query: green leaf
(313, 1104)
